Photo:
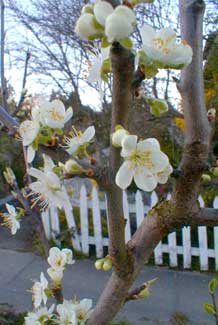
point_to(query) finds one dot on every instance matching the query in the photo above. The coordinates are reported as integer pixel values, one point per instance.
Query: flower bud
(72, 167)
(88, 9)
(206, 178)
(144, 293)
(158, 106)
(118, 136)
(99, 264)
(117, 27)
(215, 171)
(107, 264)
(102, 10)
(86, 27)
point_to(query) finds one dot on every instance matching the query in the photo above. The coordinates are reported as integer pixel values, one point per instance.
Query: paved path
(174, 292)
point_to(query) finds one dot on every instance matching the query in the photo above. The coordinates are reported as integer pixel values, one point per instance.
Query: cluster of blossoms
(47, 119)
(101, 20)
(70, 312)
(143, 161)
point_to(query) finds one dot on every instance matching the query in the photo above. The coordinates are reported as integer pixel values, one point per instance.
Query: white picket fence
(82, 240)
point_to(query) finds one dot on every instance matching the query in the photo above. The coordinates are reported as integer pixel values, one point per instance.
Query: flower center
(141, 158)
(54, 115)
(163, 44)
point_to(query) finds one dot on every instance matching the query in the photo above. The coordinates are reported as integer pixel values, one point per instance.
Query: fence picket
(45, 216)
(186, 243)
(55, 225)
(84, 223)
(215, 230)
(154, 199)
(126, 216)
(139, 208)
(97, 223)
(158, 254)
(72, 225)
(202, 239)
(172, 249)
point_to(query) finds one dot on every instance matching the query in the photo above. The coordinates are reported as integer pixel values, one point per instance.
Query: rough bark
(183, 207)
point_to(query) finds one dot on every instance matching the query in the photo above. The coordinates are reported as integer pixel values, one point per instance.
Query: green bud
(144, 293)
(157, 106)
(215, 171)
(211, 286)
(205, 178)
(118, 136)
(107, 264)
(99, 264)
(72, 167)
(209, 308)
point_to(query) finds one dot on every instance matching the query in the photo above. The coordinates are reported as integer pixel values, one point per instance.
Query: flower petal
(146, 182)
(124, 175)
(148, 144)
(88, 134)
(30, 154)
(128, 145)
(68, 114)
(160, 161)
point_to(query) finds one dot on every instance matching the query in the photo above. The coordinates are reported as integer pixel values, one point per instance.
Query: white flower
(83, 310)
(41, 314)
(53, 114)
(56, 275)
(162, 177)
(143, 160)
(85, 27)
(38, 291)
(163, 48)
(57, 258)
(67, 314)
(28, 131)
(73, 144)
(99, 68)
(10, 219)
(69, 255)
(118, 136)
(102, 10)
(117, 27)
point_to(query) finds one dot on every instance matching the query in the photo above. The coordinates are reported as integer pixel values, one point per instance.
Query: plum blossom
(83, 310)
(162, 47)
(66, 314)
(38, 291)
(59, 258)
(40, 315)
(11, 219)
(99, 68)
(74, 144)
(54, 115)
(48, 189)
(143, 160)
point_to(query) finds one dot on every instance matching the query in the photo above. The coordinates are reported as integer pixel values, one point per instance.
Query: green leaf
(211, 286)
(104, 42)
(209, 308)
(126, 42)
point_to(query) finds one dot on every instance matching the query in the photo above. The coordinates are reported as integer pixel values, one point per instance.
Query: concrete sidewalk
(174, 292)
